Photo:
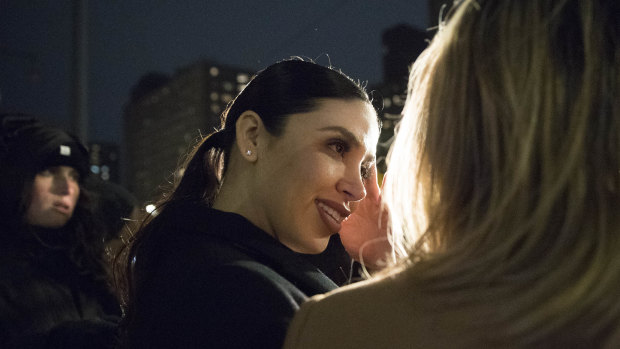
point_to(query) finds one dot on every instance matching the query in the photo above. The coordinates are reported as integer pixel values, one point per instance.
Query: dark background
(129, 38)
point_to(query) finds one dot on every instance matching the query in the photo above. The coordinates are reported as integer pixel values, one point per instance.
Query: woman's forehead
(353, 120)
(334, 112)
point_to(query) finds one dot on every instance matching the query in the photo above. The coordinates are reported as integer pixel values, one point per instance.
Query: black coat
(46, 301)
(218, 281)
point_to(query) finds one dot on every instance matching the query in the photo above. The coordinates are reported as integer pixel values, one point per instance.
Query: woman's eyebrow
(351, 139)
(346, 134)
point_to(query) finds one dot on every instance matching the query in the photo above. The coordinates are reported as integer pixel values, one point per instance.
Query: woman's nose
(64, 184)
(352, 184)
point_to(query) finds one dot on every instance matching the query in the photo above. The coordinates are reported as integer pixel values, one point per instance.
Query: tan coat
(370, 314)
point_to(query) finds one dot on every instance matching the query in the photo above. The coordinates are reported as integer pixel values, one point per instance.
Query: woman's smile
(332, 215)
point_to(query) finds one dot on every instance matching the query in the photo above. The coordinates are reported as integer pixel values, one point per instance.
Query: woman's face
(313, 175)
(55, 192)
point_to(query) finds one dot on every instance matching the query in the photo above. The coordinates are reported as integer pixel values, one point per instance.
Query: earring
(248, 152)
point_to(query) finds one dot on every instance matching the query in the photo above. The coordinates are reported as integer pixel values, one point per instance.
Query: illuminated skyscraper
(167, 116)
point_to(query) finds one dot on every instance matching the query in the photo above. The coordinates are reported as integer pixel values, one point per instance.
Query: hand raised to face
(364, 233)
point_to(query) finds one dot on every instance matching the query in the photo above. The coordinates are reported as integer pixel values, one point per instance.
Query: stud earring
(248, 152)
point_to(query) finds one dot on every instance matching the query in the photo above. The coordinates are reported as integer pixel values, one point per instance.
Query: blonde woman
(503, 187)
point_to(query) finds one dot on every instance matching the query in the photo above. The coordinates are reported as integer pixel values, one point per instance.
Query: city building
(402, 44)
(168, 115)
(104, 161)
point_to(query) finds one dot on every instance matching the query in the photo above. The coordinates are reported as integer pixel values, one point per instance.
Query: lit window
(228, 86)
(242, 78)
(240, 87)
(94, 169)
(214, 96)
(214, 71)
(387, 102)
(226, 97)
(215, 108)
(398, 100)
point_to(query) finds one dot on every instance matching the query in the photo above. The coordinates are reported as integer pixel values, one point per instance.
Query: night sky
(130, 38)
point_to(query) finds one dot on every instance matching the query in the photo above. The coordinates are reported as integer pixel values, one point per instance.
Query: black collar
(241, 233)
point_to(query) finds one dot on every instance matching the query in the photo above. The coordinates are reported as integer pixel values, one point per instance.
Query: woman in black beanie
(52, 277)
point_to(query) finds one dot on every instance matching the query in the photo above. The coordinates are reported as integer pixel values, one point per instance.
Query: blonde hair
(511, 134)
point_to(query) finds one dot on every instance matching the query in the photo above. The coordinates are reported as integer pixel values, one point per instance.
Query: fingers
(372, 186)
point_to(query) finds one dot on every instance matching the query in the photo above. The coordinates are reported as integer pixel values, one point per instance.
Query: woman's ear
(248, 128)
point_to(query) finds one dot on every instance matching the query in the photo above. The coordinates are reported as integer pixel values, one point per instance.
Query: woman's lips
(62, 208)
(332, 216)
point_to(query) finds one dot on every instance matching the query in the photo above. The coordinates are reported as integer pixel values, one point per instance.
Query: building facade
(165, 121)
(402, 44)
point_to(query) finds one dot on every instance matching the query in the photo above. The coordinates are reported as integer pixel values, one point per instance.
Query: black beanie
(34, 146)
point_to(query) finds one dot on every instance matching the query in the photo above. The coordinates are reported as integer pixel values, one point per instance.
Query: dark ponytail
(203, 170)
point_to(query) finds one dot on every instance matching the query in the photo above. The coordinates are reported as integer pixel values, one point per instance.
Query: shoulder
(21, 276)
(238, 304)
(371, 313)
(223, 282)
(201, 273)
(230, 259)
(201, 256)
(31, 301)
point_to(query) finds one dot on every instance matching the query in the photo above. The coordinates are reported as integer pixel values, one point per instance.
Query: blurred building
(402, 44)
(167, 116)
(104, 161)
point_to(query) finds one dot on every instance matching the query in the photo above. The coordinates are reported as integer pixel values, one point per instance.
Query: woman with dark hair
(223, 263)
(52, 274)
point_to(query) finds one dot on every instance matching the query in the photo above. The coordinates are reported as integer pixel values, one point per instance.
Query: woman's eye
(75, 176)
(339, 147)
